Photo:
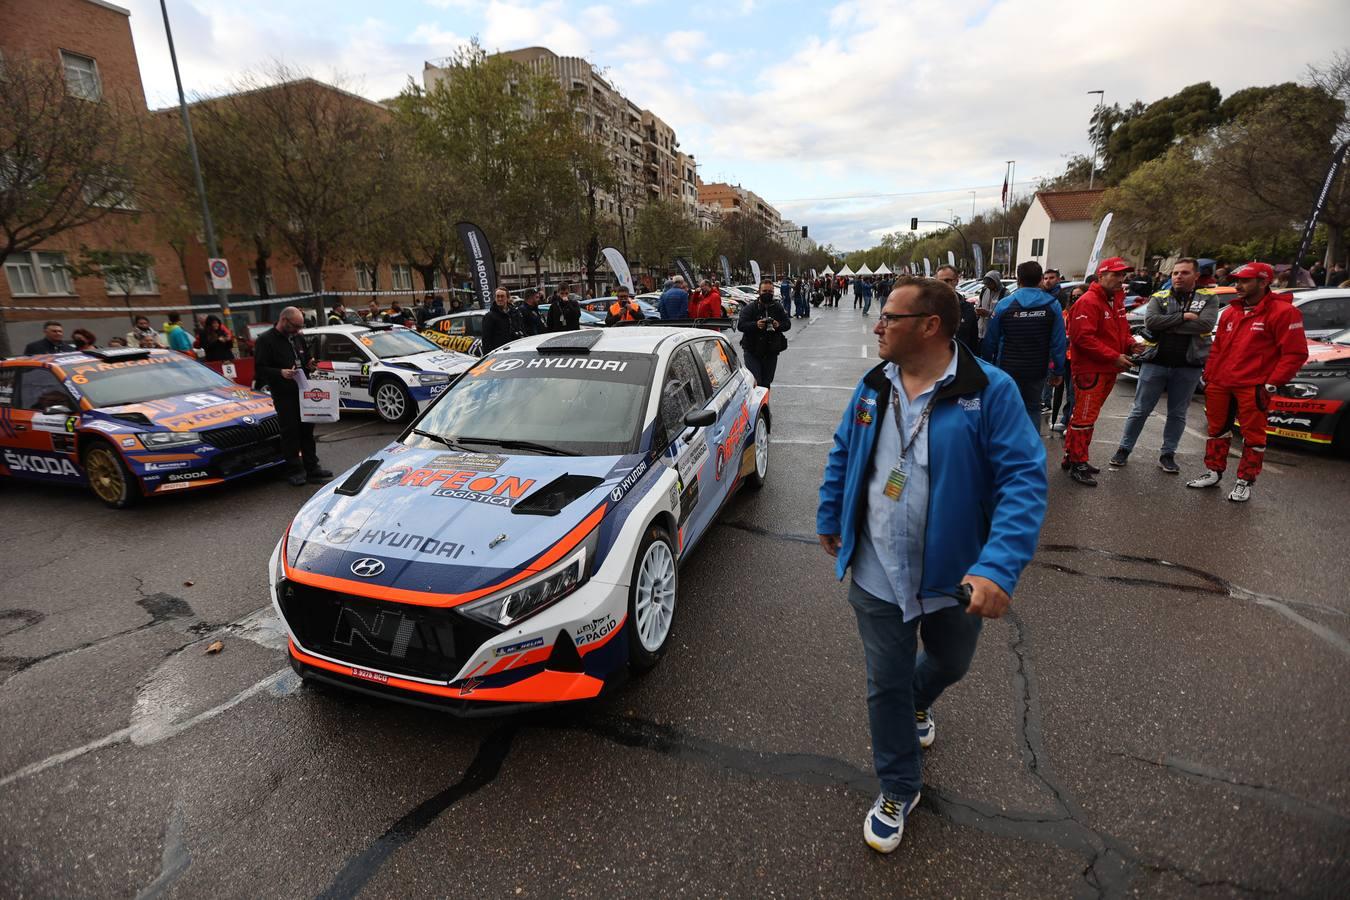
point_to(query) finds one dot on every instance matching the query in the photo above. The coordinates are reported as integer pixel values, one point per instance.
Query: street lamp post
(211, 249)
(972, 206)
(1092, 172)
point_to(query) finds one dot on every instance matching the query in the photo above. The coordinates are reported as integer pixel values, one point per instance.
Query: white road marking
(821, 387)
(863, 351)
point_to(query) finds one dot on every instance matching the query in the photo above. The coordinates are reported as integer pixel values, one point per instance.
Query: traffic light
(914, 224)
(803, 232)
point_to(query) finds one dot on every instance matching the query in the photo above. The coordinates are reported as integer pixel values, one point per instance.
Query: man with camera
(761, 324)
(623, 309)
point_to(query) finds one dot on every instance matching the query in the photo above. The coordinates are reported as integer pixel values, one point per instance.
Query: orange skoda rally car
(130, 423)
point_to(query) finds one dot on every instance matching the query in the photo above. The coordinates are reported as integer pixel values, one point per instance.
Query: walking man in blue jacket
(936, 480)
(1025, 338)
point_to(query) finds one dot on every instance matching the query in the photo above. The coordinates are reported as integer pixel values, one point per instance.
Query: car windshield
(142, 380)
(587, 404)
(388, 344)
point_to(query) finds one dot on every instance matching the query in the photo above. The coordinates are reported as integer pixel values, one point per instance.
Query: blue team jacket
(987, 479)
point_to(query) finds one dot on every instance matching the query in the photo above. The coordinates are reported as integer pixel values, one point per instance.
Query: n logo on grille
(384, 632)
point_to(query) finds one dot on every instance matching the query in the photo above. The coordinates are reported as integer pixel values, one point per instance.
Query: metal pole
(972, 206)
(1092, 172)
(221, 294)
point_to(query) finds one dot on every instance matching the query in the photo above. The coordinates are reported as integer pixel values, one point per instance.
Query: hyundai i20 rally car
(130, 423)
(1314, 405)
(520, 544)
(388, 368)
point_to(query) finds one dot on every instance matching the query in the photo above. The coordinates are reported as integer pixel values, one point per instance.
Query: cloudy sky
(851, 116)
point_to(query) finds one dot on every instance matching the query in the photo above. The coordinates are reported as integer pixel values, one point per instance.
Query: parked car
(1313, 406)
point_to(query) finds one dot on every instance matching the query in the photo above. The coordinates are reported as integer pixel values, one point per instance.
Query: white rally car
(519, 543)
(388, 368)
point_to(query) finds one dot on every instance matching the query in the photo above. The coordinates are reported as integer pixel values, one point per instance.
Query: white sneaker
(1209, 479)
(923, 724)
(1242, 492)
(885, 823)
(1057, 428)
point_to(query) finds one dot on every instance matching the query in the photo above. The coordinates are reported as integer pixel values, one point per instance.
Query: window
(401, 276)
(364, 281)
(253, 283)
(1037, 247)
(1330, 313)
(340, 348)
(303, 280)
(20, 276)
(143, 283)
(81, 76)
(717, 362)
(681, 391)
(36, 273)
(39, 389)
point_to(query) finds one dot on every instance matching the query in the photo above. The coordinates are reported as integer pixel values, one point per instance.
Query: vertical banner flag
(620, 267)
(927, 268)
(1097, 246)
(1005, 189)
(951, 259)
(483, 269)
(683, 267)
(726, 270)
(813, 274)
(1318, 205)
(754, 270)
(979, 261)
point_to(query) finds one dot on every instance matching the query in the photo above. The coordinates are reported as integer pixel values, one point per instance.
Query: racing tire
(651, 599)
(393, 403)
(109, 478)
(760, 474)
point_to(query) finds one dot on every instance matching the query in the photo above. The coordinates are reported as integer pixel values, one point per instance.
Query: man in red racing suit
(1100, 343)
(1258, 345)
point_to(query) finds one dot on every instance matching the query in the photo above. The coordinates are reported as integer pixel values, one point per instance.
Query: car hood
(1324, 353)
(451, 523)
(196, 411)
(447, 361)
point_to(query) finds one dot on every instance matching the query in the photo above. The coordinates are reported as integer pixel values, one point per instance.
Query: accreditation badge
(895, 482)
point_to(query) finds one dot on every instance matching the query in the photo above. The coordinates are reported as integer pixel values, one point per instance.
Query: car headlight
(507, 607)
(434, 378)
(1299, 390)
(159, 439)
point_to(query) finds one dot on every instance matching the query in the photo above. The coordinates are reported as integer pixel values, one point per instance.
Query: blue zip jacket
(1028, 298)
(674, 303)
(987, 481)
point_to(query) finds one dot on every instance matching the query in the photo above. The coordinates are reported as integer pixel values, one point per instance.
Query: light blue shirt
(888, 563)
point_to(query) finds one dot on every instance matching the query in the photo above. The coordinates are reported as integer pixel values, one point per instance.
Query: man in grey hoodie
(992, 292)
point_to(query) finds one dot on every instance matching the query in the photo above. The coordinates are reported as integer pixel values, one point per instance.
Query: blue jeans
(1031, 390)
(1179, 382)
(898, 683)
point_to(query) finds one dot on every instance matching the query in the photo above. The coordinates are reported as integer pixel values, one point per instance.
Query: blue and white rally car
(520, 543)
(388, 368)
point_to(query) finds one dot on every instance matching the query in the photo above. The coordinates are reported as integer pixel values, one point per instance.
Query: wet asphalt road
(1163, 714)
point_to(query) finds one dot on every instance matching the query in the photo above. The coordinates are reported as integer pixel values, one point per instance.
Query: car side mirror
(698, 418)
(59, 410)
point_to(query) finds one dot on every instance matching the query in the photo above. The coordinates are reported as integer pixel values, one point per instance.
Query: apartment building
(732, 199)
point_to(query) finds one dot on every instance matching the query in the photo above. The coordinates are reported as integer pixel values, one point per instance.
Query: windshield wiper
(436, 437)
(517, 445)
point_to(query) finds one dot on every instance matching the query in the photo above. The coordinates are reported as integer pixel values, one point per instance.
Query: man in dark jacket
(761, 324)
(968, 332)
(531, 320)
(1181, 320)
(935, 482)
(52, 341)
(501, 323)
(1025, 338)
(278, 356)
(564, 312)
(674, 302)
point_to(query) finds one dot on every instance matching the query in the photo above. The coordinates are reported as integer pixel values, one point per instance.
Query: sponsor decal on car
(629, 480)
(474, 462)
(690, 462)
(519, 647)
(595, 629)
(732, 442)
(188, 476)
(166, 466)
(128, 442)
(205, 401)
(458, 483)
(396, 540)
(41, 465)
(217, 415)
(106, 428)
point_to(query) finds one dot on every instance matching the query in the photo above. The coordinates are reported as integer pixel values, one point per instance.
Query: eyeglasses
(888, 318)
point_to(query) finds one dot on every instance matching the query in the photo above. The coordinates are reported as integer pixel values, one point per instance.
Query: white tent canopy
(846, 271)
(865, 271)
(828, 271)
(883, 270)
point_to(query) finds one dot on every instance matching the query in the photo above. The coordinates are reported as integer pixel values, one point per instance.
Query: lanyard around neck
(907, 445)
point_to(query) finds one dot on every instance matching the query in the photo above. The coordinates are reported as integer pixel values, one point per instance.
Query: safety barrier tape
(292, 299)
